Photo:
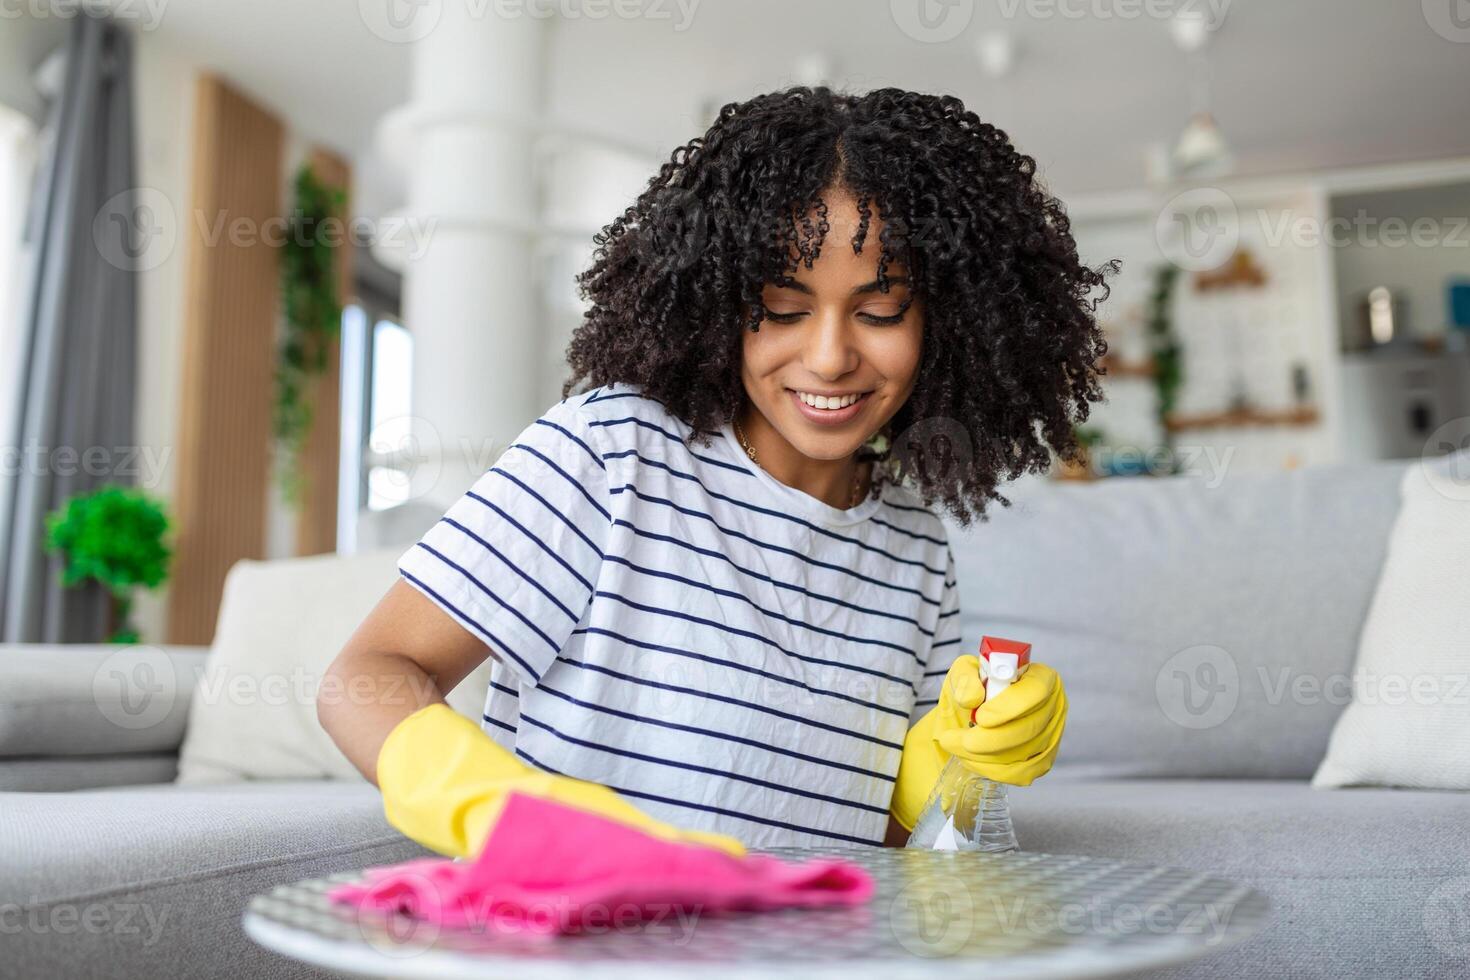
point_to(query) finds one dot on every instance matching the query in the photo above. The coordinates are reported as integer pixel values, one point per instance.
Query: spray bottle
(966, 811)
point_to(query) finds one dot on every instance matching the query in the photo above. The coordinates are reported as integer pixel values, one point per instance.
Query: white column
(465, 240)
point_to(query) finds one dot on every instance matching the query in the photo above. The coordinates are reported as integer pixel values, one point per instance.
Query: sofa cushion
(1375, 878)
(163, 873)
(281, 624)
(1201, 630)
(94, 698)
(1409, 723)
(53, 774)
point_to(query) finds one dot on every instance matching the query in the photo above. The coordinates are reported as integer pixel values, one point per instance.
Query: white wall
(163, 94)
(1250, 337)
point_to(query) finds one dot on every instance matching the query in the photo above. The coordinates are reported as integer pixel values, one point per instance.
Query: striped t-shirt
(728, 652)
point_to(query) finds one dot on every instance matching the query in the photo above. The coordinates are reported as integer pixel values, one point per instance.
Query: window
(377, 387)
(392, 376)
(17, 163)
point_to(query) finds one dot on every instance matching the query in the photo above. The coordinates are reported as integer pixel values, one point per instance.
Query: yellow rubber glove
(445, 782)
(1014, 739)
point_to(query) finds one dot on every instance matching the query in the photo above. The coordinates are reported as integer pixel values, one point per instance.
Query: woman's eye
(881, 318)
(782, 317)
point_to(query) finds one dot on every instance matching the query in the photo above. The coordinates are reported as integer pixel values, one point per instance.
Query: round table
(1021, 915)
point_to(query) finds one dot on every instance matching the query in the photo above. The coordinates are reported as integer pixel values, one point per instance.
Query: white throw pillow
(253, 710)
(1408, 723)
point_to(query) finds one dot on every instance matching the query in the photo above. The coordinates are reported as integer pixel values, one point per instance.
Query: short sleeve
(515, 559)
(946, 645)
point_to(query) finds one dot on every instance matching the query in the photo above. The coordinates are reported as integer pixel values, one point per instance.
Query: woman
(720, 603)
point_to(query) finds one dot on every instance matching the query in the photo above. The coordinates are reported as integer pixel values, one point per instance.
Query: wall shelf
(1117, 367)
(1245, 418)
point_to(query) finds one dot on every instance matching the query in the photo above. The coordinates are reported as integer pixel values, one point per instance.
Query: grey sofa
(1173, 609)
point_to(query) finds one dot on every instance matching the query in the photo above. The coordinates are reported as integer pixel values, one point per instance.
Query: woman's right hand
(445, 783)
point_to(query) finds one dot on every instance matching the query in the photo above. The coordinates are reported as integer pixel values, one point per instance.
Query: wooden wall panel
(230, 315)
(316, 522)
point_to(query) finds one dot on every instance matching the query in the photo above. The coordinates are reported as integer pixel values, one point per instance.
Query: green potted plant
(313, 319)
(114, 535)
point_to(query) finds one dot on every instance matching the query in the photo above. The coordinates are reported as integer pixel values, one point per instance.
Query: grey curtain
(73, 418)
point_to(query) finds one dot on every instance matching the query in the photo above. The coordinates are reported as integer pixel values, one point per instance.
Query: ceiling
(1298, 84)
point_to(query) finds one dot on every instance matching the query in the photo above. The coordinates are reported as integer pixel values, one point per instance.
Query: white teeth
(823, 401)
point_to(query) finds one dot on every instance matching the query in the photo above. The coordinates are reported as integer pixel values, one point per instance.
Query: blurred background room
(1286, 183)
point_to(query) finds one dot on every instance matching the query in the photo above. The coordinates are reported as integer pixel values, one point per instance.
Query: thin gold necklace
(857, 471)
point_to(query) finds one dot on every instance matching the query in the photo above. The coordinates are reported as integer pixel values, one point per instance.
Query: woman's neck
(829, 480)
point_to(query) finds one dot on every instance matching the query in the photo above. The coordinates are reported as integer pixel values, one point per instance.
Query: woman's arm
(406, 655)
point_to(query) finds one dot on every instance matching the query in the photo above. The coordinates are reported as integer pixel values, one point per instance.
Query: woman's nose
(830, 351)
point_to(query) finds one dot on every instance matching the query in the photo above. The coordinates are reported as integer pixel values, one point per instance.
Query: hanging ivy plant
(312, 309)
(1164, 347)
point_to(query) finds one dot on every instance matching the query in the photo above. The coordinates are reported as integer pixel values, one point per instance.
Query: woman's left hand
(1016, 734)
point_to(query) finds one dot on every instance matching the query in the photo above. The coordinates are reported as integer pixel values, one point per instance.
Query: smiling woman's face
(830, 338)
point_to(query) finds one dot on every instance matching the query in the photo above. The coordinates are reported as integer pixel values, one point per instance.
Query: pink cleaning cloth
(548, 868)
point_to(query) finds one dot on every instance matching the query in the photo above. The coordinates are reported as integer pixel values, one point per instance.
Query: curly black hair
(1011, 348)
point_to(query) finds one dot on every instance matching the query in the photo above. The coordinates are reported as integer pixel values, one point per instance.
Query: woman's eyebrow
(867, 287)
(872, 287)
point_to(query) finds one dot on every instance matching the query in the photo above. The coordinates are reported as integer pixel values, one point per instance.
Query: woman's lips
(829, 416)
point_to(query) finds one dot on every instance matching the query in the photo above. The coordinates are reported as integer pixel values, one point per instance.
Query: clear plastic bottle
(966, 811)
